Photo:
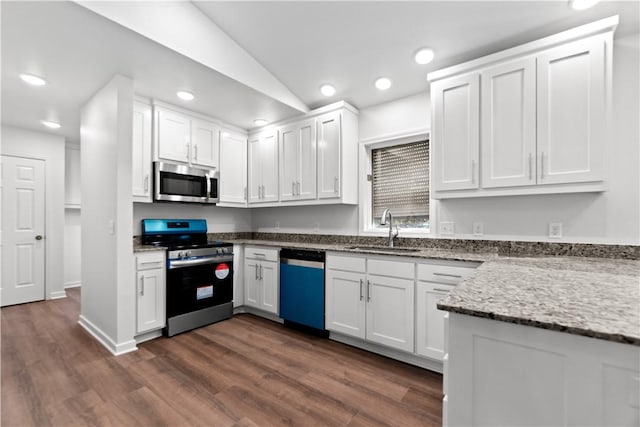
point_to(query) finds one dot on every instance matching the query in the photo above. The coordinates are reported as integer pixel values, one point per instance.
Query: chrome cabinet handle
(368, 290)
(146, 183)
(530, 166)
(293, 188)
(142, 286)
(259, 254)
(542, 165)
(195, 152)
(455, 276)
(244, 191)
(261, 277)
(298, 186)
(335, 184)
(257, 272)
(361, 284)
(187, 147)
(441, 290)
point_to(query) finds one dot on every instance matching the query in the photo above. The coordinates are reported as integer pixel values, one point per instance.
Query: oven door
(191, 288)
(180, 183)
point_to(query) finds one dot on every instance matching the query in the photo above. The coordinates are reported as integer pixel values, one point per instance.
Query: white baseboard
(76, 284)
(412, 359)
(146, 336)
(115, 348)
(257, 312)
(57, 295)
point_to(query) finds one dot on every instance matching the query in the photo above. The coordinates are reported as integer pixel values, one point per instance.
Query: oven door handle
(198, 261)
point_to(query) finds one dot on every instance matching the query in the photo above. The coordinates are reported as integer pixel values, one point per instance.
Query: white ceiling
(303, 44)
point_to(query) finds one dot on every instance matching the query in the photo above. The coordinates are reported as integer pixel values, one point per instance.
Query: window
(400, 182)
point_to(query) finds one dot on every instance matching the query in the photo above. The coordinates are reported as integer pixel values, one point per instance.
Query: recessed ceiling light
(50, 124)
(582, 4)
(260, 122)
(383, 83)
(327, 90)
(33, 80)
(424, 56)
(185, 96)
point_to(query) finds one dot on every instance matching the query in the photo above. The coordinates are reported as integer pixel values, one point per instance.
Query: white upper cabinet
(509, 124)
(263, 167)
(329, 159)
(205, 143)
(174, 134)
(572, 83)
(141, 152)
(233, 168)
(456, 129)
(185, 138)
(544, 110)
(298, 161)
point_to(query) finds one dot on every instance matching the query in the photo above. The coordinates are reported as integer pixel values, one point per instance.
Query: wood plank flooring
(246, 371)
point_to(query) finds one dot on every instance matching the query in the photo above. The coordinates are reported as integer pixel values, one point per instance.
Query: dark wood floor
(246, 371)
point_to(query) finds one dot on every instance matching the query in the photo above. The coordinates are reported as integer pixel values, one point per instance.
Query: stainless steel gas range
(199, 273)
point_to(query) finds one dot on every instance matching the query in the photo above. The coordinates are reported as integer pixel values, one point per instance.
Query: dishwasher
(302, 289)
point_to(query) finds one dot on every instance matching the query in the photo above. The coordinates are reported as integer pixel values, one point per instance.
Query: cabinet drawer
(261, 253)
(346, 263)
(149, 260)
(383, 267)
(449, 274)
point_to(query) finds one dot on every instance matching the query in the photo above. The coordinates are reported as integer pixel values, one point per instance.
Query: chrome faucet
(383, 221)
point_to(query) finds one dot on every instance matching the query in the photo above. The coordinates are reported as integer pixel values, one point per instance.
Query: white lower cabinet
(261, 279)
(430, 320)
(150, 291)
(373, 307)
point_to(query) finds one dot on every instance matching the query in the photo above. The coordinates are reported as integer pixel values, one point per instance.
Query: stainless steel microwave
(180, 183)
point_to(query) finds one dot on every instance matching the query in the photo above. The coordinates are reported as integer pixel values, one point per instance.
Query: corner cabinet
(186, 138)
(141, 152)
(233, 168)
(315, 159)
(537, 116)
(150, 291)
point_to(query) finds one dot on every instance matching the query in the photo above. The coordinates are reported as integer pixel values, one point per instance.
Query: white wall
(50, 148)
(609, 217)
(219, 220)
(108, 291)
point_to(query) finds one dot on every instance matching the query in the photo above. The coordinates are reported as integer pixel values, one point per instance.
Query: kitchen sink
(383, 249)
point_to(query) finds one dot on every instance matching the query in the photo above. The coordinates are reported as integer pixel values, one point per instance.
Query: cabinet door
(456, 132)
(509, 124)
(174, 133)
(572, 112)
(233, 167)
(345, 303)
(205, 143)
(252, 283)
(255, 170)
(430, 320)
(269, 159)
(141, 153)
(390, 311)
(329, 159)
(150, 300)
(289, 154)
(270, 286)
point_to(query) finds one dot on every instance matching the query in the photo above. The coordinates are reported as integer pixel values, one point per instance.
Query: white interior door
(23, 217)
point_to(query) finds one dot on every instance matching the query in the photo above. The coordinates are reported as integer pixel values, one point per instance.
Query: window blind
(400, 179)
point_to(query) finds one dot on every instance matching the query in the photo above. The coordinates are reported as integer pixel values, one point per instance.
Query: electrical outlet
(446, 227)
(477, 229)
(277, 225)
(555, 230)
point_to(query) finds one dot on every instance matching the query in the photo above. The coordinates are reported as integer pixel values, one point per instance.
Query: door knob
(38, 237)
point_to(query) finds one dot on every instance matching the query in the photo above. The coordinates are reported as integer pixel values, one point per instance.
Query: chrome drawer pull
(455, 276)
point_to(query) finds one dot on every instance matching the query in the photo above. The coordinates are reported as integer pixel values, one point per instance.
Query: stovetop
(178, 234)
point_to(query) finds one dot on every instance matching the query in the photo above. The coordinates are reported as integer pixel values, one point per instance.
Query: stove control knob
(187, 253)
(220, 250)
(180, 254)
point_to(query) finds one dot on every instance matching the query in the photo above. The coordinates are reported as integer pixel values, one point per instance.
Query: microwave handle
(208, 177)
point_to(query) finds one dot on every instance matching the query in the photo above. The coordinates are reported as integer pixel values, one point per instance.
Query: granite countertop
(594, 297)
(148, 248)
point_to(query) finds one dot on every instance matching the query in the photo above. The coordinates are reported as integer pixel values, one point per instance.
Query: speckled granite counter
(147, 248)
(594, 297)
